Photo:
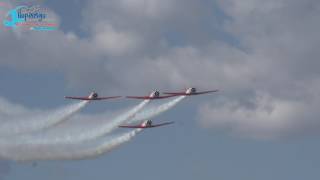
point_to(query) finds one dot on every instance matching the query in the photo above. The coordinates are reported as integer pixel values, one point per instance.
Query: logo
(30, 17)
(3, 4)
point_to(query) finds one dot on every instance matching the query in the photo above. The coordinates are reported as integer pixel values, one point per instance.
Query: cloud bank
(262, 54)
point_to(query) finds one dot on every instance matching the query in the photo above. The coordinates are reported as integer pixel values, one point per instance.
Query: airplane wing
(206, 92)
(104, 98)
(138, 97)
(163, 97)
(175, 93)
(138, 126)
(143, 127)
(162, 124)
(77, 98)
(90, 99)
(147, 97)
(185, 94)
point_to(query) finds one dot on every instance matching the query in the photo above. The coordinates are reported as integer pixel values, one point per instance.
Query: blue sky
(262, 55)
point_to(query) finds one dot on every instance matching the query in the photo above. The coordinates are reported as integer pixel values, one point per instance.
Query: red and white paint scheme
(93, 96)
(146, 124)
(189, 92)
(153, 95)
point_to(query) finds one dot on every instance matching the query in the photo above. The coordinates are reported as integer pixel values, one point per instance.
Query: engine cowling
(191, 90)
(156, 94)
(93, 95)
(149, 123)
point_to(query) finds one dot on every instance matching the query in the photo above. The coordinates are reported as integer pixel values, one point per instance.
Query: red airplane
(93, 96)
(146, 124)
(153, 95)
(190, 92)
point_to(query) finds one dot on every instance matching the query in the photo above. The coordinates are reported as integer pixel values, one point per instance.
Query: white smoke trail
(70, 152)
(68, 147)
(71, 138)
(150, 113)
(29, 122)
(132, 116)
(7, 108)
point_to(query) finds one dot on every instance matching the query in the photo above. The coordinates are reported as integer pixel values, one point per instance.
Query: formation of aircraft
(153, 96)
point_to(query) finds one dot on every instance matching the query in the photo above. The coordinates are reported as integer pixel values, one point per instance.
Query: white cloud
(137, 45)
(149, 8)
(279, 38)
(268, 117)
(114, 42)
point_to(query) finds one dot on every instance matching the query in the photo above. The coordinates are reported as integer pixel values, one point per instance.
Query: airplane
(153, 95)
(92, 96)
(146, 124)
(189, 92)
